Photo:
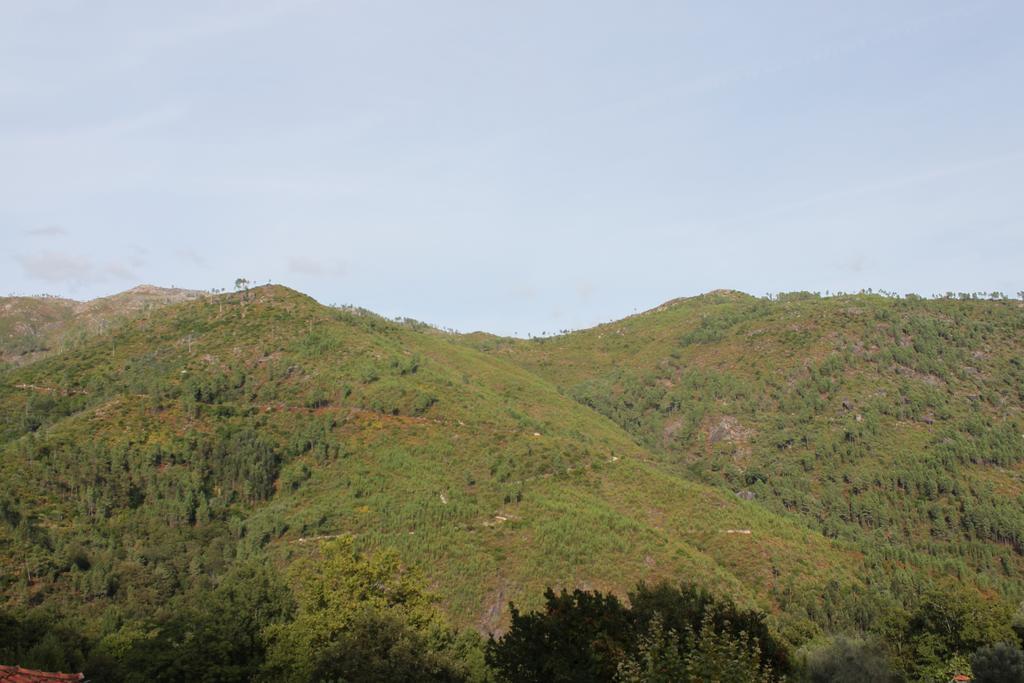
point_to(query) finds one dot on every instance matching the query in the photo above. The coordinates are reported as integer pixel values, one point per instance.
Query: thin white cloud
(191, 256)
(47, 231)
(59, 268)
(854, 263)
(72, 271)
(121, 272)
(303, 265)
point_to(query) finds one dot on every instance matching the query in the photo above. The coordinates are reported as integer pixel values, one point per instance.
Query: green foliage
(716, 324)
(711, 655)
(657, 658)
(580, 636)
(218, 638)
(846, 660)
(380, 647)
(998, 663)
(716, 656)
(360, 618)
(38, 640)
(667, 633)
(945, 627)
(688, 608)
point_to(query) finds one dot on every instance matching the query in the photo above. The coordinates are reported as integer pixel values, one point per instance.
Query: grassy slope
(135, 465)
(894, 425)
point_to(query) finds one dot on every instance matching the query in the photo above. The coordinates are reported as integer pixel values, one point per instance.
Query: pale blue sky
(517, 166)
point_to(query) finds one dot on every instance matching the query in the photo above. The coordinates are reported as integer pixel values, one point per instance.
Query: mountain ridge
(825, 460)
(538, 473)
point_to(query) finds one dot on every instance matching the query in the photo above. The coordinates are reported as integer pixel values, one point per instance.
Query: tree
(588, 636)
(580, 636)
(712, 655)
(845, 660)
(1017, 624)
(360, 618)
(241, 283)
(717, 656)
(946, 626)
(657, 659)
(377, 646)
(220, 639)
(38, 641)
(999, 663)
(686, 607)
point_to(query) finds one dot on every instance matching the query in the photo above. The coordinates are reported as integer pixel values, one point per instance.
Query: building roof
(15, 674)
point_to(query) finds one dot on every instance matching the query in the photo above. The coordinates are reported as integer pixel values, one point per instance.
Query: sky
(516, 167)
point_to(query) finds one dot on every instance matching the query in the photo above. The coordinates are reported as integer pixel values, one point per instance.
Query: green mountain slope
(32, 327)
(143, 462)
(892, 425)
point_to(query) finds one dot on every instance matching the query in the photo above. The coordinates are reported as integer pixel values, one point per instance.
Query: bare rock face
(728, 428)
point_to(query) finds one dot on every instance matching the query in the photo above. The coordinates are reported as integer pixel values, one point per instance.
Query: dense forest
(253, 486)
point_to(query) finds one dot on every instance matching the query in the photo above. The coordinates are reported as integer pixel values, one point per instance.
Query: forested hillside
(835, 462)
(894, 425)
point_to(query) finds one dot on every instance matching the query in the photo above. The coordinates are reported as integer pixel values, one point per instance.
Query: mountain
(33, 326)
(891, 425)
(263, 421)
(827, 460)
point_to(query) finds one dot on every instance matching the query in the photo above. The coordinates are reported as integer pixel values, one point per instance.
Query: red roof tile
(15, 674)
